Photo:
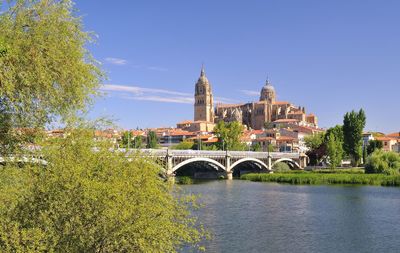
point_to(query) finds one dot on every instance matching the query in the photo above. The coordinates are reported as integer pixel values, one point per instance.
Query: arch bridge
(224, 163)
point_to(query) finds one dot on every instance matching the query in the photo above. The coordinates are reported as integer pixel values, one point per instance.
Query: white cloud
(154, 94)
(250, 92)
(140, 90)
(116, 61)
(179, 100)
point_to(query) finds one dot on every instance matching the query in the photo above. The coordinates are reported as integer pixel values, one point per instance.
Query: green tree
(137, 141)
(374, 145)
(256, 147)
(317, 149)
(383, 162)
(85, 201)
(126, 140)
(353, 125)
(183, 145)
(229, 135)
(333, 141)
(365, 155)
(334, 150)
(314, 141)
(152, 141)
(45, 69)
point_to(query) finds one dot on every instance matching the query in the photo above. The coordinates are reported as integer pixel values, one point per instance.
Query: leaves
(45, 69)
(353, 126)
(86, 201)
(383, 162)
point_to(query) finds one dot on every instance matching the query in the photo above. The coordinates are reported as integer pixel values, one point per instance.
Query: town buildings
(254, 115)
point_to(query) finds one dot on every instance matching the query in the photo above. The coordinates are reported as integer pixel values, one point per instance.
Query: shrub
(383, 162)
(183, 145)
(91, 199)
(281, 167)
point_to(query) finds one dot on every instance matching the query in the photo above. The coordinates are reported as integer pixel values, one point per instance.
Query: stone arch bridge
(225, 163)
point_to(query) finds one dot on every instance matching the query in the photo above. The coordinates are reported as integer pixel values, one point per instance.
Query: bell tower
(203, 99)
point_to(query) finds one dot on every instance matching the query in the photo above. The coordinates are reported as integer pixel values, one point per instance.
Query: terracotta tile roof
(385, 138)
(265, 139)
(286, 138)
(138, 133)
(179, 132)
(281, 103)
(185, 122)
(396, 135)
(256, 131)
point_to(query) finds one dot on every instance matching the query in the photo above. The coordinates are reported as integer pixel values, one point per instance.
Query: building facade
(203, 99)
(259, 114)
(265, 113)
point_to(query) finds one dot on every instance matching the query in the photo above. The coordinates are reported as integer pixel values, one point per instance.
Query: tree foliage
(314, 141)
(353, 125)
(317, 149)
(374, 145)
(334, 150)
(45, 69)
(383, 162)
(91, 201)
(152, 141)
(229, 135)
(334, 145)
(183, 145)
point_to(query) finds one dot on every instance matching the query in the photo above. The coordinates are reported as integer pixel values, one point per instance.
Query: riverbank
(311, 178)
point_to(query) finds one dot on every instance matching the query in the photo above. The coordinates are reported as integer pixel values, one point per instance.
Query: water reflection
(266, 217)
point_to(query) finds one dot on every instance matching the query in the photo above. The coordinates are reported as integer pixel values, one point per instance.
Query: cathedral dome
(268, 87)
(267, 92)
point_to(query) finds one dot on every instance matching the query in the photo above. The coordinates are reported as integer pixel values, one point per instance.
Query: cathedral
(255, 115)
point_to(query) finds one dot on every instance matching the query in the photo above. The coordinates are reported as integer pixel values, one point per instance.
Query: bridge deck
(208, 153)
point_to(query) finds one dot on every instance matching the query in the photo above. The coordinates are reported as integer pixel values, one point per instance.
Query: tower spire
(267, 82)
(202, 70)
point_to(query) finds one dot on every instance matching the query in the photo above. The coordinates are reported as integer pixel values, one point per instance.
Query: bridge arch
(198, 159)
(249, 159)
(287, 160)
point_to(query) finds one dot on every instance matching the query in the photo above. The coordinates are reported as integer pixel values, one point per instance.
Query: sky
(329, 56)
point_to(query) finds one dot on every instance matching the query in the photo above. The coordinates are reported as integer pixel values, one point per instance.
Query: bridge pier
(269, 162)
(303, 160)
(229, 173)
(169, 164)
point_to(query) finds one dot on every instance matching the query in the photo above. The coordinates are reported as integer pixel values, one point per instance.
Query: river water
(247, 216)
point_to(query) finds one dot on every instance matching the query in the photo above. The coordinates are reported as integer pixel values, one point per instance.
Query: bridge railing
(209, 153)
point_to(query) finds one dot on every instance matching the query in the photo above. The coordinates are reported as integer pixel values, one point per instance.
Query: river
(247, 216)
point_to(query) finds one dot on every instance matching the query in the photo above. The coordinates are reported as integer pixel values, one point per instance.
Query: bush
(281, 167)
(91, 199)
(184, 180)
(383, 162)
(183, 145)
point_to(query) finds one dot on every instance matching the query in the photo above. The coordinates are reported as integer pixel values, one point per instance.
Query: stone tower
(203, 99)
(268, 93)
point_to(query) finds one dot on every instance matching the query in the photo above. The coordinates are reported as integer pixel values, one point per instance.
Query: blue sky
(329, 56)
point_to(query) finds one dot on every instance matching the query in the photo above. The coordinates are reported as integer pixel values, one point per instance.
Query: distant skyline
(329, 56)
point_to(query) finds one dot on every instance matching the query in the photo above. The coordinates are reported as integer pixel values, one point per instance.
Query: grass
(184, 180)
(311, 178)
